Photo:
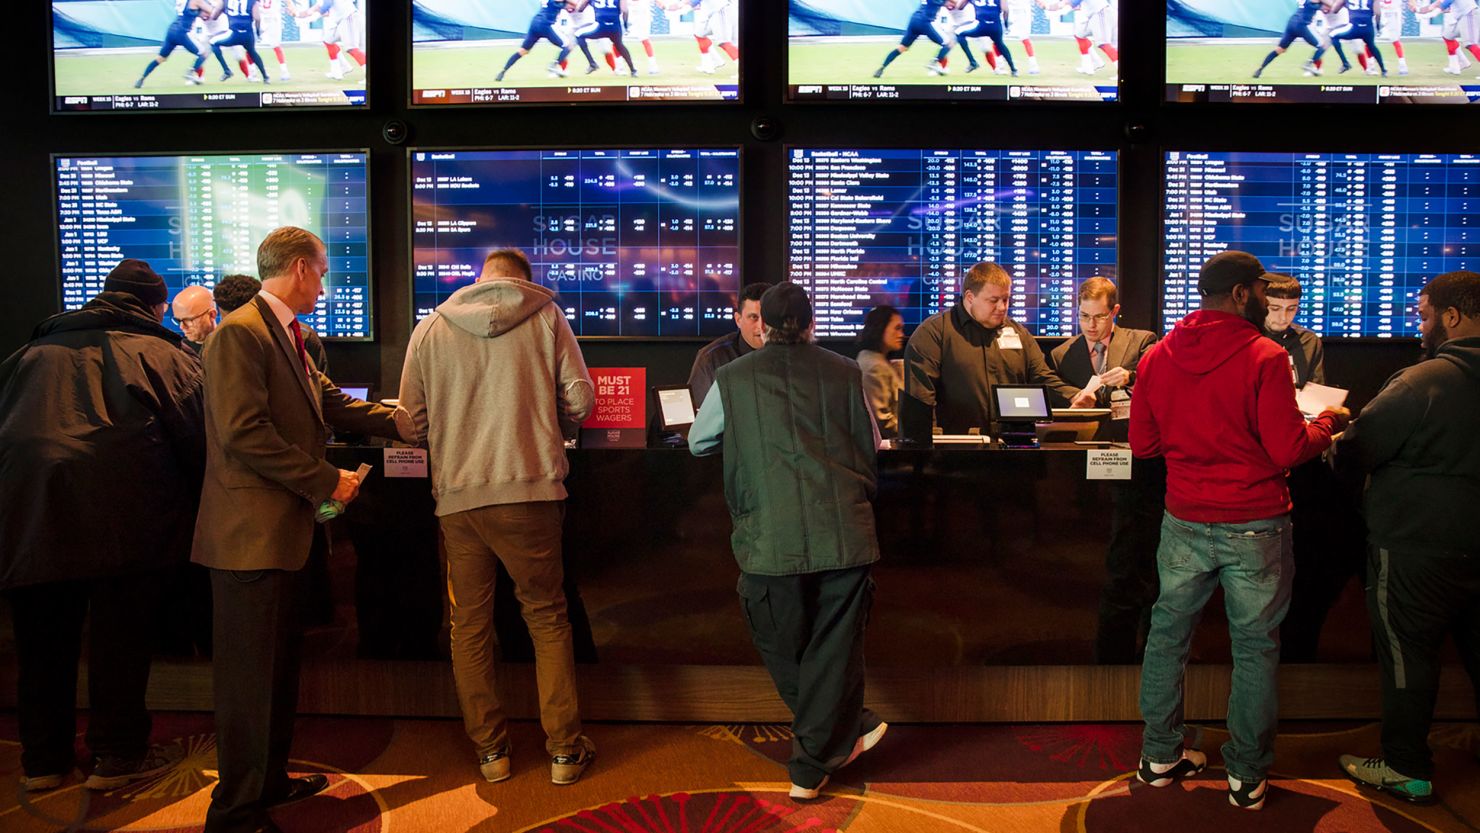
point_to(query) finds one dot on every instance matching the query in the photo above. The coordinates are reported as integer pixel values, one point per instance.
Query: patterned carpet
(394, 776)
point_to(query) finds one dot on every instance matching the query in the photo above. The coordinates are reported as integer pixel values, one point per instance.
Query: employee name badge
(1008, 339)
(405, 462)
(1120, 404)
(1107, 464)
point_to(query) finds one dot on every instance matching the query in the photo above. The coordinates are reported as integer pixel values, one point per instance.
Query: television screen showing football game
(903, 227)
(1323, 51)
(198, 218)
(132, 55)
(1362, 232)
(635, 242)
(989, 50)
(561, 51)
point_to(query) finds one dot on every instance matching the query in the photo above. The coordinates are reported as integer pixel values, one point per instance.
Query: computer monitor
(1020, 403)
(675, 407)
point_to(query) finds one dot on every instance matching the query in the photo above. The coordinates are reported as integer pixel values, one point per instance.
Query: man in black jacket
(101, 457)
(1417, 442)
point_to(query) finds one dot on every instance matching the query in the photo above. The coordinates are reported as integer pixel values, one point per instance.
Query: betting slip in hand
(1314, 398)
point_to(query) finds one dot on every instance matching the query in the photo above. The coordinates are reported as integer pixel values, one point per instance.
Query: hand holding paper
(1314, 398)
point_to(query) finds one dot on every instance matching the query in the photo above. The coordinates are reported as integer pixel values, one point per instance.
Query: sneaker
(226, 76)
(867, 741)
(1258, 72)
(801, 793)
(498, 79)
(1312, 69)
(1452, 71)
(496, 765)
(879, 73)
(567, 769)
(556, 70)
(1247, 796)
(1375, 773)
(285, 76)
(37, 783)
(112, 773)
(139, 84)
(1192, 762)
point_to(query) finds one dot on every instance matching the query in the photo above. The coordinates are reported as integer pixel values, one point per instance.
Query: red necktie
(298, 342)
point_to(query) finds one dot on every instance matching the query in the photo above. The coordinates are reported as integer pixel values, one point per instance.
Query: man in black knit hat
(102, 450)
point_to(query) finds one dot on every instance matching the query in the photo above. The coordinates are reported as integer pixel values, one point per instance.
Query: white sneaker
(867, 741)
(335, 74)
(1247, 796)
(1000, 70)
(1192, 762)
(800, 793)
(284, 76)
(1452, 70)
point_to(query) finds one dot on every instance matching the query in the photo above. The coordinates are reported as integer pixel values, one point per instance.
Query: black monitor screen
(1362, 232)
(636, 242)
(954, 50)
(197, 218)
(493, 52)
(1323, 52)
(141, 55)
(902, 227)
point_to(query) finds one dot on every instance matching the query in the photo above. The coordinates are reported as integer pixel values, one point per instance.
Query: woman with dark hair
(882, 334)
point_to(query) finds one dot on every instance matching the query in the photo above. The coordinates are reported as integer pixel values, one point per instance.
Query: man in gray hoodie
(494, 381)
(1416, 442)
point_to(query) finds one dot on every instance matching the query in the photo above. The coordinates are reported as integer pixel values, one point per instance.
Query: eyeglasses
(186, 320)
(1095, 319)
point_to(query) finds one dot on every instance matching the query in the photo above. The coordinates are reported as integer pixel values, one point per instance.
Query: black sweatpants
(809, 631)
(1413, 601)
(120, 613)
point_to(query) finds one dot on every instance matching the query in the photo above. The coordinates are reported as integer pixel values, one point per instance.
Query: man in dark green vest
(800, 444)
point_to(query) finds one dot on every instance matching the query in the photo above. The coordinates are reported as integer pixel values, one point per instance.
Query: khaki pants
(526, 538)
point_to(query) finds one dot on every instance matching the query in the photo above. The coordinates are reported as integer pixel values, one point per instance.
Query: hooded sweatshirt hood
(1205, 340)
(1464, 353)
(490, 308)
(107, 311)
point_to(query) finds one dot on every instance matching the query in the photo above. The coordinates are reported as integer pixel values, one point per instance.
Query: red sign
(619, 419)
(621, 398)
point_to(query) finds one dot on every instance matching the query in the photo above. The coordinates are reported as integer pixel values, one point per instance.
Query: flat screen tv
(128, 56)
(953, 50)
(491, 52)
(1323, 51)
(199, 217)
(636, 242)
(1362, 232)
(903, 226)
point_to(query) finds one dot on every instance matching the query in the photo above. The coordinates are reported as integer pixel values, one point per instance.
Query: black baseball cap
(786, 301)
(1225, 270)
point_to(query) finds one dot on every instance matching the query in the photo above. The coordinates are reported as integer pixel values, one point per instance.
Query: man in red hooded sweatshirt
(1217, 400)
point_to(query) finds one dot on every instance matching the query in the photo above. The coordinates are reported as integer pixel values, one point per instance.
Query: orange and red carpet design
(401, 776)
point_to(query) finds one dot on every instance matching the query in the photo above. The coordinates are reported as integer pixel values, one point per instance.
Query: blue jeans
(1254, 563)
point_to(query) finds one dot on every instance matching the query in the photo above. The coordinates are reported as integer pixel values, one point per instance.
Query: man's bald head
(195, 311)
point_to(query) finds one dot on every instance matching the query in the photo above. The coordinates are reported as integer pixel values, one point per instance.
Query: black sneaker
(567, 769)
(1191, 763)
(112, 773)
(1247, 796)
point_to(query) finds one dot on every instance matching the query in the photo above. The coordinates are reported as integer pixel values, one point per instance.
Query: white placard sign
(1107, 464)
(405, 462)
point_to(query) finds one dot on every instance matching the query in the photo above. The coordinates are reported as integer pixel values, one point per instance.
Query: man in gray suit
(1112, 352)
(267, 406)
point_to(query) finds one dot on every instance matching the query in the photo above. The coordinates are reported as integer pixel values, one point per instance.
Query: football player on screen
(543, 26)
(607, 25)
(715, 21)
(1091, 29)
(1359, 26)
(178, 35)
(1461, 27)
(270, 31)
(241, 22)
(1298, 26)
(341, 33)
(922, 22)
(987, 24)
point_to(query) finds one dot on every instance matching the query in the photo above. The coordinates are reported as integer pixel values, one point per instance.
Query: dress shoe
(299, 789)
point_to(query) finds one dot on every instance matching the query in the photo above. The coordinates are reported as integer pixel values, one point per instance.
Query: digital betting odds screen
(1362, 232)
(982, 50)
(197, 218)
(636, 242)
(543, 51)
(1303, 51)
(133, 55)
(902, 227)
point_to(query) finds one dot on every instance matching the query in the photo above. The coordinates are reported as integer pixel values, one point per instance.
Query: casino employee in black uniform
(1136, 505)
(955, 357)
(725, 349)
